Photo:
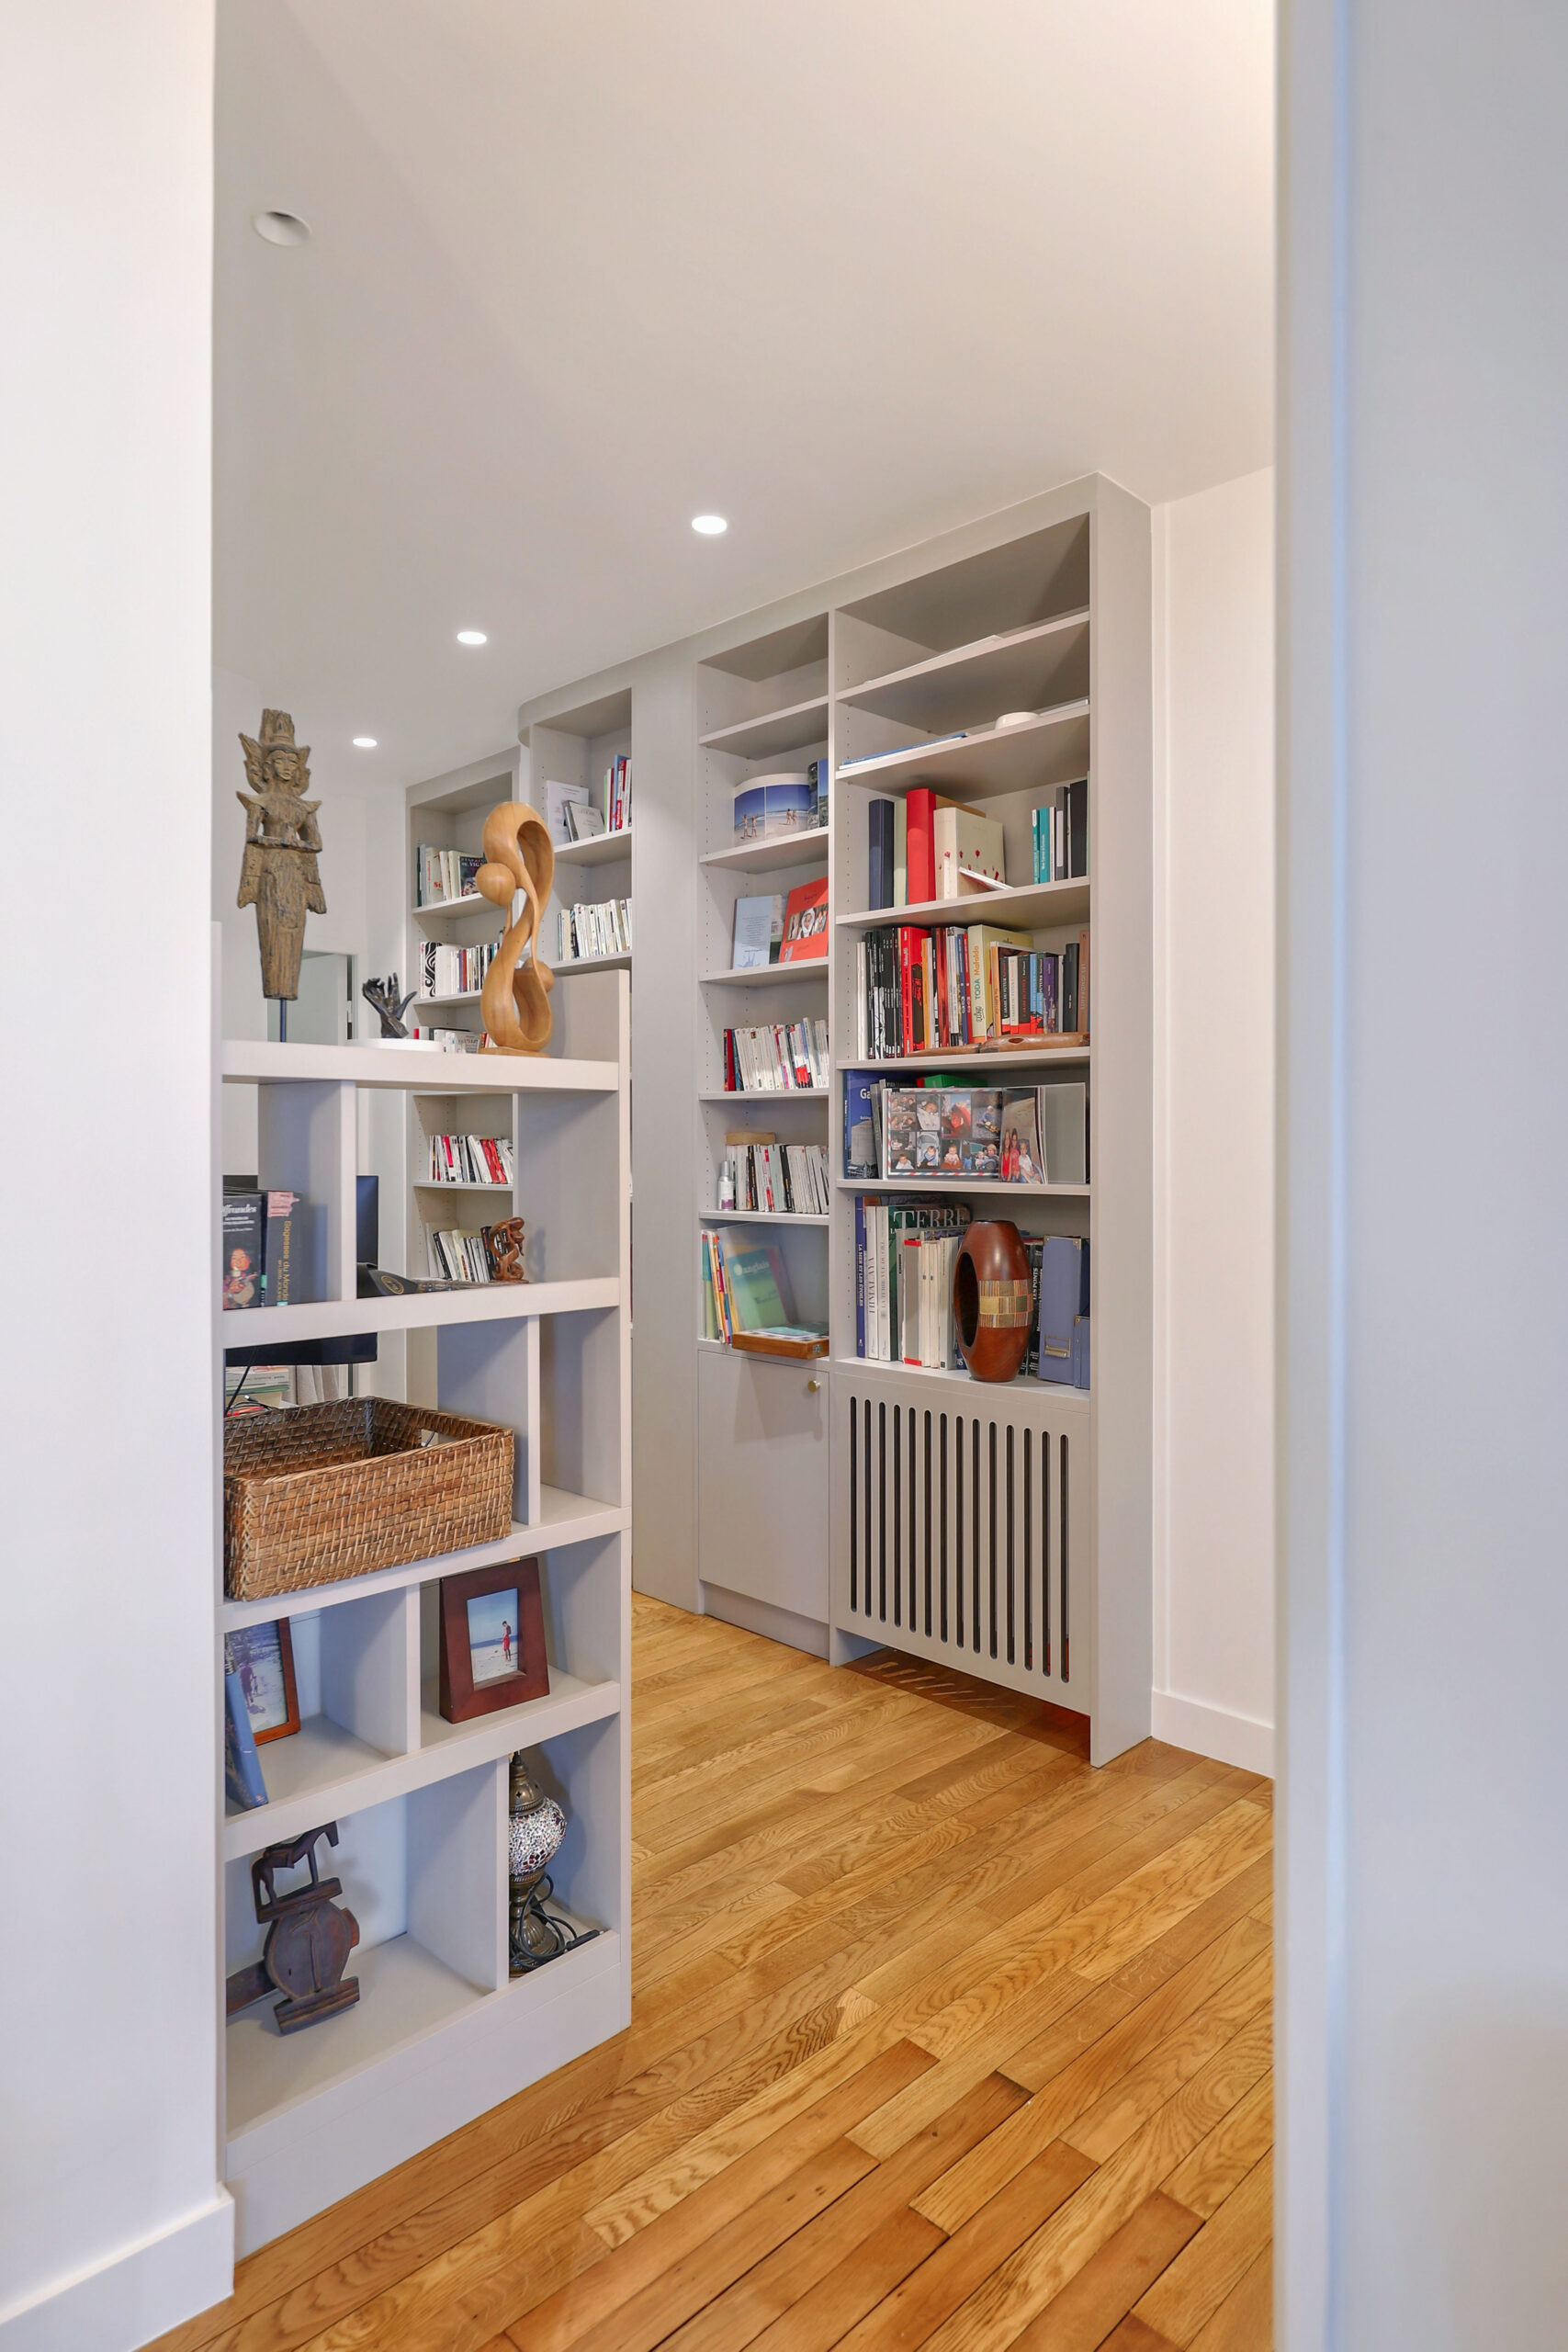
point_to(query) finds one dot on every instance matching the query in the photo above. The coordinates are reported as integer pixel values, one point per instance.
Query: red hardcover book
(806, 922)
(907, 938)
(919, 806)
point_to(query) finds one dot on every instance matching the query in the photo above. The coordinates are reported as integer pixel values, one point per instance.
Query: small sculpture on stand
(537, 1829)
(307, 1941)
(518, 855)
(383, 996)
(279, 875)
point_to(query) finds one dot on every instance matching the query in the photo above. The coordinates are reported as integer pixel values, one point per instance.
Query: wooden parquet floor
(939, 2039)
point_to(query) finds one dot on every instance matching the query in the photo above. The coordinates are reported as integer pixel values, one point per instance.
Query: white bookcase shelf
(440, 2032)
(806, 850)
(768, 976)
(1048, 750)
(793, 728)
(1029, 907)
(571, 964)
(605, 848)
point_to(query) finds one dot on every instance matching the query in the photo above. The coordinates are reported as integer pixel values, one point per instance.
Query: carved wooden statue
(279, 876)
(308, 1938)
(519, 855)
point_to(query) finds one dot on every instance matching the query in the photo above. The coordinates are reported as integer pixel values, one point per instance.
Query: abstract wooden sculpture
(519, 855)
(991, 1303)
(279, 876)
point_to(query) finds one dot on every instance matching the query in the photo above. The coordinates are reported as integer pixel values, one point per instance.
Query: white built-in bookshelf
(1003, 1529)
(441, 2032)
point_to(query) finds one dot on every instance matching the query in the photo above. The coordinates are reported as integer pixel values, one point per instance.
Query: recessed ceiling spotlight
(472, 637)
(710, 526)
(364, 742)
(282, 228)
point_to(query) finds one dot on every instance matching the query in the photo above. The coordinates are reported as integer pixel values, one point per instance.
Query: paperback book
(775, 1058)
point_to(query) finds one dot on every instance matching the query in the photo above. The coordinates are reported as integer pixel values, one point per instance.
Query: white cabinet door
(762, 1475)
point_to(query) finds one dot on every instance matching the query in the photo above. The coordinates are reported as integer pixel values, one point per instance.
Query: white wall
(1424, 832)
(112, 2225)
(1214, 1121)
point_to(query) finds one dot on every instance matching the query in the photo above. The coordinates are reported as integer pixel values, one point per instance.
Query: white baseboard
(139, 2292)
(1243, 1740)
(762, 1617)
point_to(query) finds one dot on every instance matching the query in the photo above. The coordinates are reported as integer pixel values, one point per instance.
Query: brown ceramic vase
(990, 1299)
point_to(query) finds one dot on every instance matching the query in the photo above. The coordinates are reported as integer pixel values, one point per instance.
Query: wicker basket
(327, 1491)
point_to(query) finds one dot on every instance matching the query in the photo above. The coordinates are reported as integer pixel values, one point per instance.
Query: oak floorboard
(1245, 2321)
(1184, 2297)
(1099, 2295)
(898, 1952)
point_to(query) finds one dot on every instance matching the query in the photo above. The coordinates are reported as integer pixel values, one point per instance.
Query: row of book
(618, 793)
(747, 1300)
(780, 927)
(442, 875)
(584, 933)
(922, 846)
(922, 990)
(258, 1245)
(906, 1255)
(458, 1256)
(773, 805)
(775, 1058)
(454, 971)
(1014, 1135)
(776, 1179)
(471, 1160)
(1058, 833)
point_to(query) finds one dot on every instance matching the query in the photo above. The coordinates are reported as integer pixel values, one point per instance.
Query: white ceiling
(847, 271)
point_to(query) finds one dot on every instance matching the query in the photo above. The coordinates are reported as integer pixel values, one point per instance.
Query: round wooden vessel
(990, 1299)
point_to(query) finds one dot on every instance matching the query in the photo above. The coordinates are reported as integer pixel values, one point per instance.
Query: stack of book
(586, 932)
(471, 1160)
(746, 1298)
(451, 1041)
(1015, 1134)
(775, 1058)
(776, 1179)
(454, 971)
(443, 875)
(457, 1257)
(618, 793)
(923, 991)
(1059, 834)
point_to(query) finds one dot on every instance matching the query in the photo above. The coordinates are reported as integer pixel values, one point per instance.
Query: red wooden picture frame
(461, 1697)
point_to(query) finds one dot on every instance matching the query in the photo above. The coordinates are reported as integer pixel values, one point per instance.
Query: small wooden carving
(388, 1004)
(309, 1940)
(504, 1244)
(519, 855)
(280, 877)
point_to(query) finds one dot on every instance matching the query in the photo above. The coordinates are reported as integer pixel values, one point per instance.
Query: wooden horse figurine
(519, 855)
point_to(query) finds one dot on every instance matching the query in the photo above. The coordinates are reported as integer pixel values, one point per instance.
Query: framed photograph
(262, 1657)
(492, 1640)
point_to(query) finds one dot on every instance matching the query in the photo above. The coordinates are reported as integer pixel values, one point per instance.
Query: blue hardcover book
(879, 850)
(1080, 1352)
(1063, 1274)
(860, 1124)
(859, 1275)
(242, 1766)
